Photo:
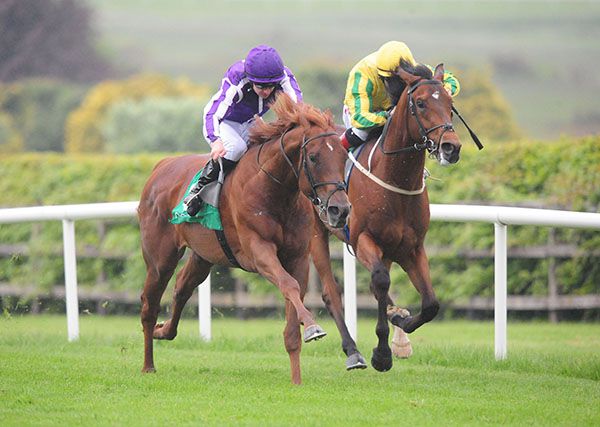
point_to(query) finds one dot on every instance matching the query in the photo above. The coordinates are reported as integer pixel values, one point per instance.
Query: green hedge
(563, 174)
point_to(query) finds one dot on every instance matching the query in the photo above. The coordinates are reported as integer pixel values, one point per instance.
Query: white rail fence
(500, 216)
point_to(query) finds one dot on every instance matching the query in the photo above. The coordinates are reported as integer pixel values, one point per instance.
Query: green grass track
(551, 376)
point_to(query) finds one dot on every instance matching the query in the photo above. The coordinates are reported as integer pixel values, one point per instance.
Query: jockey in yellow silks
(371, 81)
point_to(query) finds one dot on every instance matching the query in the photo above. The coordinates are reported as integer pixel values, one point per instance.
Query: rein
(314, 197)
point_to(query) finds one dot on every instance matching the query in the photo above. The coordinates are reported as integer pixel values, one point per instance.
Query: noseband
(427, 143)
(314, 197)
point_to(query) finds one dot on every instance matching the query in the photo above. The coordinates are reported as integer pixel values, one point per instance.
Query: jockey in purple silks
(247, 89)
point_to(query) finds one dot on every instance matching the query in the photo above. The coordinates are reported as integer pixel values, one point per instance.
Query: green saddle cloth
(208, 216)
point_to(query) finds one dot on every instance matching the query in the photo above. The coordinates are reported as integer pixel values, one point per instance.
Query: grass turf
(552, 376)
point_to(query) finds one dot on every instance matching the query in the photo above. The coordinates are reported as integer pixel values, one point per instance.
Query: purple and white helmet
(264, 65)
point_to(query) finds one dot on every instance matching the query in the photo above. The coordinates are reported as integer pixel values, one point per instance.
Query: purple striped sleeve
(290, 86)
(216, 109)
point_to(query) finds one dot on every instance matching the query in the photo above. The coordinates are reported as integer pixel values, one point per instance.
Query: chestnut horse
(265, 217)
(390, 210)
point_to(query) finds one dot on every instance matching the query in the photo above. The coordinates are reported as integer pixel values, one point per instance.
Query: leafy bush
(504, 173)
(484, 107)
(38, 110)
(10, 140)
(154, 124)
(84, 125)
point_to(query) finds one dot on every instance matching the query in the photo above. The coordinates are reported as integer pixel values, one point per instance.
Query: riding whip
(473, 136)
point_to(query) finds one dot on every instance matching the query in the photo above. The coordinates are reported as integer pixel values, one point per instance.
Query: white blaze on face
(436, 94)
(329, 146)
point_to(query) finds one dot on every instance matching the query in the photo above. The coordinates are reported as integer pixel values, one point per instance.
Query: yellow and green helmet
(389, 56)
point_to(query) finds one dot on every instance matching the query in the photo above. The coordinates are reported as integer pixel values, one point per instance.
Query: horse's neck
(404, 169)
(280, 175)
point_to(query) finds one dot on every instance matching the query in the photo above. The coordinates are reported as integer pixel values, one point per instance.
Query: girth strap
(227, 249)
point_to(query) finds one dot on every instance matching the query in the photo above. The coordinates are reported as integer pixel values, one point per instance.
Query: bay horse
(390, 210)
(265, 217)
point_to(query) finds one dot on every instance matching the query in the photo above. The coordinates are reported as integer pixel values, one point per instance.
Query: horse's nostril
(333, 211)
(447, 148)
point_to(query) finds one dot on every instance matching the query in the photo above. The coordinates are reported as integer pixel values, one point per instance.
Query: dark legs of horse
(160, 266)
(417, 268)
(332, 295)
(370, 256)
(193, 273)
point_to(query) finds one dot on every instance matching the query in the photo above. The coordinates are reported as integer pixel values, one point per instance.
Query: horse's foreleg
(332, 295)
(417, 268)
(158, 272)
(268, 265)
(191, 275)
(370, 255)
(293, 343)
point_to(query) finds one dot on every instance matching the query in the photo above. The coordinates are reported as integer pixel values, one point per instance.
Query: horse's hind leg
(332, 295)
(160, 266)
(370, 255)
(193, 273)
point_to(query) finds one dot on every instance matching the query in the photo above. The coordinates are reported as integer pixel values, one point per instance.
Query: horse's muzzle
(337, 214)
(449, 153)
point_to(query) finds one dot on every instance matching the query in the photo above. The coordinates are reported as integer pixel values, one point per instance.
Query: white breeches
(234, 136)
(361, 133)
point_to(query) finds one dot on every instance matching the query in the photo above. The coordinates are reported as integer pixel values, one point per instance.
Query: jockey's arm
(290, 86)
(216, 108)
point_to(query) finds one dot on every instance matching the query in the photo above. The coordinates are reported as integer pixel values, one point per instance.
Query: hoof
(402, 350)
(148, 370)
(355, 361)
(381, 361)
(401, 346)
(399, 317)
(159, 332)
(313, 333)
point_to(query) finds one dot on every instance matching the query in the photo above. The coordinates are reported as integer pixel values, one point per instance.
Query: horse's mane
(417, 70)
(396, 85)
(289, 114)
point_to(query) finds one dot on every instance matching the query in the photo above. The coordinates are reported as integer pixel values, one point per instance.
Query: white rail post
(350, 292)
(70, 261)
(500, 290)
(204, 310)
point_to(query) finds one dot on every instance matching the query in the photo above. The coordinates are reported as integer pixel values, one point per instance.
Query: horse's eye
(420, 103)
(312, 158)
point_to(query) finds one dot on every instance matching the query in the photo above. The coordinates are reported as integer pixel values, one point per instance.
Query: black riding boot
(209, 174)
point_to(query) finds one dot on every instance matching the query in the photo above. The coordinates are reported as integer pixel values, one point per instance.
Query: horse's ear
(438, 74)
(408, 78)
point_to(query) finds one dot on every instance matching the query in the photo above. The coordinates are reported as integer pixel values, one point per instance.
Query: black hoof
(356, 361)
(313, 333)
(381, 361)
(401, 322)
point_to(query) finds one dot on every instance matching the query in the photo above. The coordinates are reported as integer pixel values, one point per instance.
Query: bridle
(426, 142)
(314, 197)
